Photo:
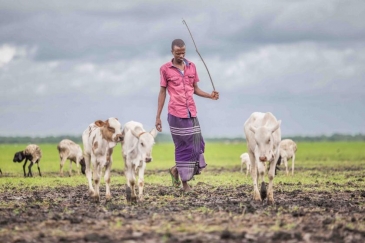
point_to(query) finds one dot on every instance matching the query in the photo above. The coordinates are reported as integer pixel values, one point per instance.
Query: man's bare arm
(214, 95)
(161, 102)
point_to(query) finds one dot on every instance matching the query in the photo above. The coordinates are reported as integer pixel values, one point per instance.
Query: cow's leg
(248, 165)
(89, 173)
(271, 174)
(141, 180)
(30, 169)
(128, 191)
(39, 168)
(256, 193)
(70, 169)
(78, 166)
(261, 168)
(241, 167)
(286, 165)
(25, 163)
(62, 162)
(96, 177)
(108, 195)
(131, 181)
(292, 165)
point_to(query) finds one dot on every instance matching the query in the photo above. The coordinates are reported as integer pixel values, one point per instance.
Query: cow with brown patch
(99, 139)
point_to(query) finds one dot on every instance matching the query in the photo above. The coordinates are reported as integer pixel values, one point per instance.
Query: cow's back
(69, 149)
(33, 150)
(289, 146)
(88, 136)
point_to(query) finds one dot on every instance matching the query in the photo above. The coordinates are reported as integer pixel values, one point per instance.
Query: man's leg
(186, 186)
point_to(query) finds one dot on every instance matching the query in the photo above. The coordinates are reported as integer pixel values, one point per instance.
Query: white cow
(245, 160)
(99, 139)
(288, 148)
(263, 136)
(137, 150)
(72, 151)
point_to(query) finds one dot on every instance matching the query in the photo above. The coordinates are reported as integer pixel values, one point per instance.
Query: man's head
(178, 50)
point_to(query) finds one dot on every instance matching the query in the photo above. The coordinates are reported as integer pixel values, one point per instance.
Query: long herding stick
(196, 48)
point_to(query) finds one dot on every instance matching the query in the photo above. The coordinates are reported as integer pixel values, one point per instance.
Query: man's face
(178, 53)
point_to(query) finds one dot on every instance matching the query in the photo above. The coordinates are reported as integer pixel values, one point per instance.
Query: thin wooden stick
(196, 48)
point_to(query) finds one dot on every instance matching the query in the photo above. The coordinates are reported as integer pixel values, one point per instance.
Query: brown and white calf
(288, 148)
(137, 151)
(99, 139)
(32, 153)
(263, 136)
(73, 152)
(245, 160)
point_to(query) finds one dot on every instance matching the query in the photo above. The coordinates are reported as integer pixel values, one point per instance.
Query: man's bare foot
(186, 187)
(174, 172)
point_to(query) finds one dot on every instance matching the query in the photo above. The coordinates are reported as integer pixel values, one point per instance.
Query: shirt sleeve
(196, 75)
(163, 82)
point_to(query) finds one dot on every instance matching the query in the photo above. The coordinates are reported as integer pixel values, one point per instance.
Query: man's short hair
(177, 42)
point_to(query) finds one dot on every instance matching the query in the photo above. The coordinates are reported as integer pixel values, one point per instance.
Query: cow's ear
(274, 128)
(99, 123)
(153, 132)
(137, 131)
(116, 118)
(253, 129)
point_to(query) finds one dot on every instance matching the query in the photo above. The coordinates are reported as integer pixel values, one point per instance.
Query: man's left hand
(214, 95)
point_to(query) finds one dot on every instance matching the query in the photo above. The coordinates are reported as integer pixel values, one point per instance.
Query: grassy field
(222, 159)
(323, 202)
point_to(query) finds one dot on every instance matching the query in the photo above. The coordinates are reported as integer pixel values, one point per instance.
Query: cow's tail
(263, 191)
(278, 163)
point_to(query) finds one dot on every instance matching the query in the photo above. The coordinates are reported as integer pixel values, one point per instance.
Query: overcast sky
(65, 64)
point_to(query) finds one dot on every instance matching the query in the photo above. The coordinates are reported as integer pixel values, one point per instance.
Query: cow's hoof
(108, 197)
(141, 198)
(96, 198)
(256, 196)
(270, 201)
(91, 193)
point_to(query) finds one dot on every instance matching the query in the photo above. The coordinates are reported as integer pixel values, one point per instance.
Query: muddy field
(215, 214)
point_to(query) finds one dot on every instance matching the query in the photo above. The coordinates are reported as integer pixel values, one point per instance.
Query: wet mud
(213, 214)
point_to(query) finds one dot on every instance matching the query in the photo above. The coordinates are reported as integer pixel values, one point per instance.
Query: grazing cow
(137, 150)
(99, 139)
(1, 172)
(288, 148)
(263, 135)
(32, 153)
(72, 151)
(245, 160)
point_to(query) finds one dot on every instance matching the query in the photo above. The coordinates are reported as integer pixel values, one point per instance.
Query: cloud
(83, 60)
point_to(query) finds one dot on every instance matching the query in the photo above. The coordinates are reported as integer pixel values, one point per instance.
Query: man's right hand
(158, 124)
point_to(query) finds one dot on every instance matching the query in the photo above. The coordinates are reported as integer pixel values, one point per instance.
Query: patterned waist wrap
(189, 146)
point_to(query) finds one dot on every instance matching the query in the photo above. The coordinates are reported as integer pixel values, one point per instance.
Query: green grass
(323, 165)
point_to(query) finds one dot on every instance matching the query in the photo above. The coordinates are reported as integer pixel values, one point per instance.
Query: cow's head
(110, 129)
(264, 141)
(19, 156)
(146, 140)
(83, 165)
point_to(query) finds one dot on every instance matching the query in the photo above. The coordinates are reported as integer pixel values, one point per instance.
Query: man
(180, 78)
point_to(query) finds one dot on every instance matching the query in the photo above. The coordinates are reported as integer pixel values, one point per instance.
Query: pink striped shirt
(180, 87)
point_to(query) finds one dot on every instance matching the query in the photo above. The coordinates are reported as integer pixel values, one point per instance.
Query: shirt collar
(187, 63)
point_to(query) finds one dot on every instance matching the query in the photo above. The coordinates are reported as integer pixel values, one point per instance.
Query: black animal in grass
(1, 173)
(32, 153)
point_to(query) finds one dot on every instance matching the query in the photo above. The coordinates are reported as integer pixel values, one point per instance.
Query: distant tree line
(163, 137)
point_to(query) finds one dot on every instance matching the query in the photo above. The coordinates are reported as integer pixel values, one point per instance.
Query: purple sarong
(189, 146)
